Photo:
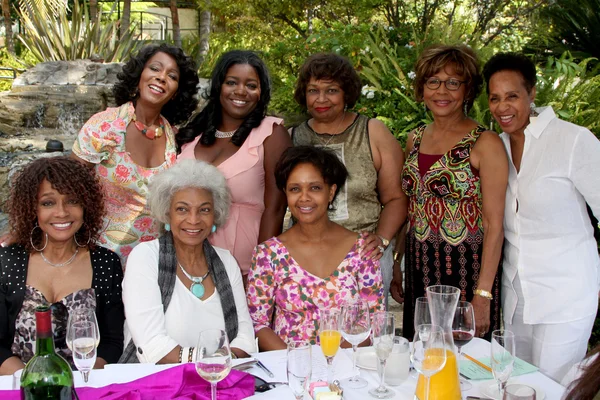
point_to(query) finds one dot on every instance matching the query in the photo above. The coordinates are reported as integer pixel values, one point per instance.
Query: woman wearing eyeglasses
(455, 176)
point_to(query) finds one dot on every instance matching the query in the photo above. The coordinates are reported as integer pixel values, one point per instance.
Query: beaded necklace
(147, 131)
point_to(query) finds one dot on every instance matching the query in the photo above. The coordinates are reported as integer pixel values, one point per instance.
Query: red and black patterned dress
(444, 238)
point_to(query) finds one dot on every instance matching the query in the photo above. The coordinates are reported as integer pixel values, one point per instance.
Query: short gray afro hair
(188, 174)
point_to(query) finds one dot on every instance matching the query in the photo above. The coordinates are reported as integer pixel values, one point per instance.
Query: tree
(8, 26)
(203, 34)
(93, 9)
(175, 21)
(125, 18)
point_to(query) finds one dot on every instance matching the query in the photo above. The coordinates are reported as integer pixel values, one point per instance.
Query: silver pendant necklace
(197, 288)
(224, 135)
(69, 261)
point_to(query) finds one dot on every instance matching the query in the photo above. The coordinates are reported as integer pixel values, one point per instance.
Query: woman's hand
(373, 247)
(6, 240)
(481, 306)
(396, 286)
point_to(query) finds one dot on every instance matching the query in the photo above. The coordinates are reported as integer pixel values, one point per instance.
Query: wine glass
(518, 391)
(81, 339)
(84, 315)
(503, 357)
(329, 337)
(463, 330)
(355, 325)
(213, 358)
(421, 316)
(428, 353)
(383, 331)
(299, 367)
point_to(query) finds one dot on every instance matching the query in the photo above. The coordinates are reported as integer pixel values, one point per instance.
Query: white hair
(188, 174)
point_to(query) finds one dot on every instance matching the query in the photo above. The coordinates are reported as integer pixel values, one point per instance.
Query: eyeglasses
(451, 84)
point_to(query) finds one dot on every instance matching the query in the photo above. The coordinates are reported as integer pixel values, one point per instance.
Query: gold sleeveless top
(357, 205)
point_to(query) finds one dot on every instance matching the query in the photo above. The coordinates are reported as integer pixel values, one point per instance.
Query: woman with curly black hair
(234, 134)
(55, 211)
(129, 144)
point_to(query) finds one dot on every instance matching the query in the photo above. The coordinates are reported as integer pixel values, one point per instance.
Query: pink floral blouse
(276, 283)
(101, 141)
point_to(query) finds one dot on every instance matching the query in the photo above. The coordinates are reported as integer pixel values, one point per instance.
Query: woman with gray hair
(181, 274)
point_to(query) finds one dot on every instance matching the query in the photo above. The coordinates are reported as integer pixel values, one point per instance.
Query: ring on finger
(381, 248)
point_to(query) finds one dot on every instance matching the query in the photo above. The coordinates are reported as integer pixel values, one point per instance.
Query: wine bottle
(47, 375)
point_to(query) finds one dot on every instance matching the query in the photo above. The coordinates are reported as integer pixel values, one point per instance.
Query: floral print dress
(101, 141)
(278, 284)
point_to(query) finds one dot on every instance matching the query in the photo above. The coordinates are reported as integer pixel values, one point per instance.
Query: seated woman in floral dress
(286, 277)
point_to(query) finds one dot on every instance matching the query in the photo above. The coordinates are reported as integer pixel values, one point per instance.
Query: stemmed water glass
(213, 358)
(503, 357)
(82, 339)
(329, 337)
(383, 331)
(85, 315)
(463, 330)
(355, 325)
(421, 316)
(428, 353)
(299, 367)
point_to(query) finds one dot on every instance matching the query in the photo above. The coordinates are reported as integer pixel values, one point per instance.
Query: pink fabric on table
(181, 382)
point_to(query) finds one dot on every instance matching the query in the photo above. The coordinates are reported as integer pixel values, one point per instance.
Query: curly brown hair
(464, 60)
(328, 66)
(68, 177)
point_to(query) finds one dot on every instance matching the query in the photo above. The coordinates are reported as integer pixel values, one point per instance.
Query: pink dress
(245, 174)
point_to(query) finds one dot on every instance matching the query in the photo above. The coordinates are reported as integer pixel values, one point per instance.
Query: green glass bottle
(47, 375)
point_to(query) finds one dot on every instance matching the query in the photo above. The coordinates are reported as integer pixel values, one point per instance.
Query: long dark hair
(181, 107)
(588, 384)
(208, 120)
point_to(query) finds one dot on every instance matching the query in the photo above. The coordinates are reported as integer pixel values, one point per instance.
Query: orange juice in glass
(444, 385)
(329, 337)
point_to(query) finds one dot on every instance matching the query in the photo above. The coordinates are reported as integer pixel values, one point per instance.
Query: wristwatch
(484, 293)
(385, 242)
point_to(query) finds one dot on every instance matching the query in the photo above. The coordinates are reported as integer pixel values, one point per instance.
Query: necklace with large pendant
(197, 288)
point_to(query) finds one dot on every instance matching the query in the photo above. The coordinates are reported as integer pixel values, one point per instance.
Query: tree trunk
(93, 9)
(203, 34)
(8, 26)
(126, 18)
(175, 20)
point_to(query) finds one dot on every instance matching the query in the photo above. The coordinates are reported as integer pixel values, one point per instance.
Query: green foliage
(60, 38)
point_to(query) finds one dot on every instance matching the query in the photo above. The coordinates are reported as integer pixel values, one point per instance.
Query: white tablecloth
(121, 373)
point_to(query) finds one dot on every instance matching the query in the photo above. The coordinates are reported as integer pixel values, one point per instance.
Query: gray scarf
(167, 274)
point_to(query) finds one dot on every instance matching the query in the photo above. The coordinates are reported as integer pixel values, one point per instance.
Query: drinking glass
(422, 316)
(84, 315)
(299, 367)
(329, 337)
(382, 332)
(503, 357)
(81, 338)
(519, 392)
(213, 358)
(428, 352)
(355, 325)
(463, 330)
(398, 363)
(16, 379)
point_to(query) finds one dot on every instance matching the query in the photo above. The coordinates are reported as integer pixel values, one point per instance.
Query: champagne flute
(428, 353)
(329, 338)
(383, 331)
(82, 336)
(213, 358)
(463, 330)
(84, 315)
(355, 325)
(299, 367)
(503, 357)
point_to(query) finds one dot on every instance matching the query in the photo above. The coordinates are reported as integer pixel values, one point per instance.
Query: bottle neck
(44, 343)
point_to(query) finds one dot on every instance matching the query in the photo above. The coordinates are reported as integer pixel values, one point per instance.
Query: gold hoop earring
(31, 238)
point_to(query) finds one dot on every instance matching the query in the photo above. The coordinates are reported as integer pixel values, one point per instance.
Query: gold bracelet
(396, 257)
(385, 242)
(484, 294)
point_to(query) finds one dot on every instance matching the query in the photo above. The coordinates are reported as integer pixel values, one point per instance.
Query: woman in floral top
(314, 265)
(129, 144)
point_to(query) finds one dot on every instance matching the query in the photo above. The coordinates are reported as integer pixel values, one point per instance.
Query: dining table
(275, 362)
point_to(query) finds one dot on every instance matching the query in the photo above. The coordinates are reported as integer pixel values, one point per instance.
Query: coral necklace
(147, 131)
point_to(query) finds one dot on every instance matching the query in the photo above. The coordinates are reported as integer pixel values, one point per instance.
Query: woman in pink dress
(234, 134)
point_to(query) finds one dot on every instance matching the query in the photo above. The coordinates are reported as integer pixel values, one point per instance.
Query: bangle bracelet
(384, 241)
(190, 353)
(484, 294)
(180, 353)
(396, 256)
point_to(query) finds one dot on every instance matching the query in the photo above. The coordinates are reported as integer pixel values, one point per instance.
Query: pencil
(482, 365)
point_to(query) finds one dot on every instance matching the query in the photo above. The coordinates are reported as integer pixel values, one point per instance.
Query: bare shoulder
(489, 141)
(380, 135)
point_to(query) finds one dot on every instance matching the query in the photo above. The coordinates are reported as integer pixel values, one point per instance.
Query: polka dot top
(106, 282)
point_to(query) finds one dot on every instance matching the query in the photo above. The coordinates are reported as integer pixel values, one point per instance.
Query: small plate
(366, 359)
(490, 390)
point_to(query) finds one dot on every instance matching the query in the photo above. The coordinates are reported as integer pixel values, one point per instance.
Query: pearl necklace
(69, 261)
(197, 288)
(224, 135)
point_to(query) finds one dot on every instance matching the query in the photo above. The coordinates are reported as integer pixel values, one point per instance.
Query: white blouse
(156, 332)
(549, 237)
